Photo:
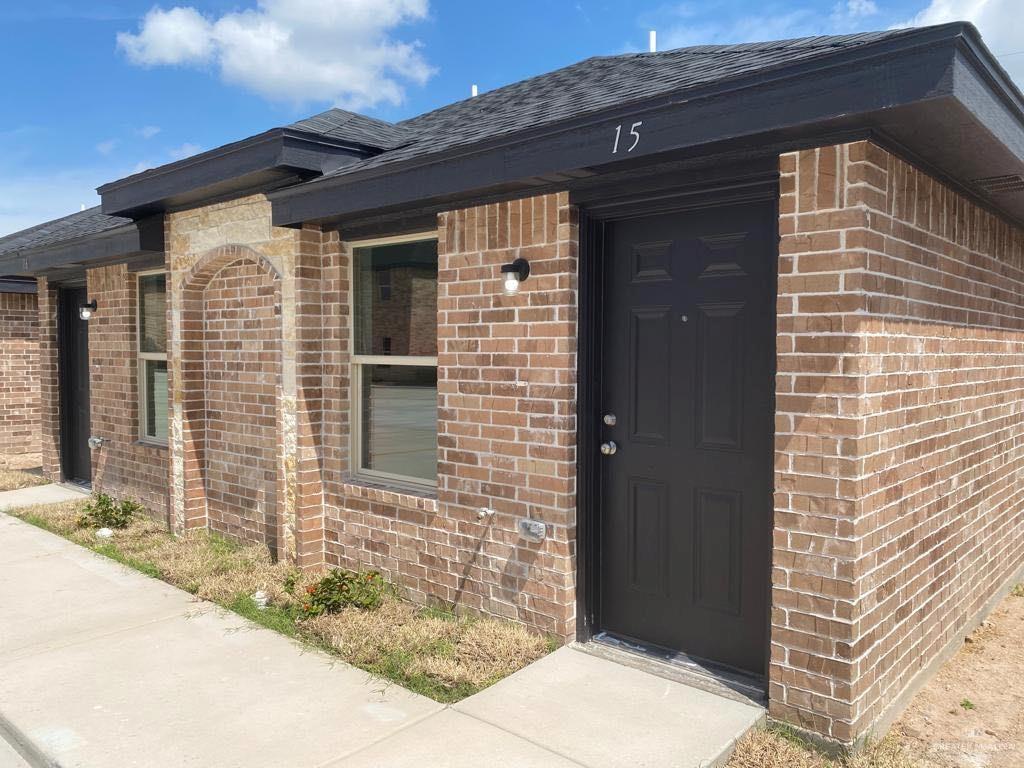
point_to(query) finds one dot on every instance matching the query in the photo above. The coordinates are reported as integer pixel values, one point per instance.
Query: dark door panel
(688, 372)
(73, 369)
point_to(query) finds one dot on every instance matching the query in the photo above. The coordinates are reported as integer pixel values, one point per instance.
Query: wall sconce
(514, 274)
(87, 310)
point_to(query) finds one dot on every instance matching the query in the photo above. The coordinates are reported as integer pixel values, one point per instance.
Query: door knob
(609, 448)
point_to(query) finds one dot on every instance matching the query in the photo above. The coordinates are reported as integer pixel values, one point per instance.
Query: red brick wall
(123, 467)
(19, 374)
(49, 385)
(241, 353)
(506, 426)
(899, 430)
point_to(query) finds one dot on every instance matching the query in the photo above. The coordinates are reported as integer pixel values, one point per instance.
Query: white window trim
(141, 364)
(357, 361)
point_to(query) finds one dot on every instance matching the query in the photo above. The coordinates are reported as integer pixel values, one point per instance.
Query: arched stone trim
(190, 426)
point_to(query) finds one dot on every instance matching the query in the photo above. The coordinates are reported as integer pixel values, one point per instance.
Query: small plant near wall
(104, 512)
(342, 589)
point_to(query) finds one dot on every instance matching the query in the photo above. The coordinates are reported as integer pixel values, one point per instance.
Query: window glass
(152, 313)
(399, 420)
(396, 299)
(156, 399)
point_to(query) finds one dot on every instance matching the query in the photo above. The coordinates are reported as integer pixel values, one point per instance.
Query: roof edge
(914, 40)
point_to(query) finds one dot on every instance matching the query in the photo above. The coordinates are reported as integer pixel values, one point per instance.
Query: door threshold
(677, 666)
(76, 485)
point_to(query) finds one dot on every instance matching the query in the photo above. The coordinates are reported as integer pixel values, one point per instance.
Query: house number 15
(632, 132)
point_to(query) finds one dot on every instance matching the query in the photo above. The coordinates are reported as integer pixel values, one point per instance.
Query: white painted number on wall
(632, 132)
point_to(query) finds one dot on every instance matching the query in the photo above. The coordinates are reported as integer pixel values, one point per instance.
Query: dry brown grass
(13, 479)
(431, 651)
(459, 653)
(776, 748)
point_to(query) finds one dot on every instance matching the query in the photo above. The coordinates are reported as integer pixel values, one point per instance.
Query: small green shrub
(104, 512)
(340, 589)
(967, 704)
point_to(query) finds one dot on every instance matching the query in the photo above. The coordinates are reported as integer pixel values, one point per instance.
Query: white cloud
(712, 30)
(177, 36)
(338, 51)
(185, 150)
(149, 131)
(1000, 22)
(106, 147)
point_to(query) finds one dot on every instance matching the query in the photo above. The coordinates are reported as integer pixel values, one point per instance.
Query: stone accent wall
(899, 512)
(124, 467)
(19, 375)
(506, 427)
(229, 256)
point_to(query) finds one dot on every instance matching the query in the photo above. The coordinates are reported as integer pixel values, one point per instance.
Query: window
(394, 365)
(152, 334)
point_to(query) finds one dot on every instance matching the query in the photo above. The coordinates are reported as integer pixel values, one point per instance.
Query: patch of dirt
(970, 715)
(988, 673)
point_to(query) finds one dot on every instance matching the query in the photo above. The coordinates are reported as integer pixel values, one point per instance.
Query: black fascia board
(282, 149)
(845, 92)
(116, 245)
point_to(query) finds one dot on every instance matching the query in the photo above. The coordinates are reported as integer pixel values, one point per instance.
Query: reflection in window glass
(399, 420)
(396, 299)
(152, 313)
(156, 399)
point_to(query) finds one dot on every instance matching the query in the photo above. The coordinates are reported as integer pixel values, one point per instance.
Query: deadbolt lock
(609, 419)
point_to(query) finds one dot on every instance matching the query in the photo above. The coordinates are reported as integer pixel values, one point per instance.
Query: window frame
(357, 363)
(143, 357)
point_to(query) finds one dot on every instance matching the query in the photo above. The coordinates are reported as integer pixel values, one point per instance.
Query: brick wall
(899, 511)
(19, 375)
(123, 467)
(241, 355)
(506, 426)
(49, 383)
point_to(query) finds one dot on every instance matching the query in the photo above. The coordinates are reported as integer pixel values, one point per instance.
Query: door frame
(757, 186)
(63, 378)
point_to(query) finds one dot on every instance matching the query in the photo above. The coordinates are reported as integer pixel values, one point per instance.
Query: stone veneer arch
(192, 474)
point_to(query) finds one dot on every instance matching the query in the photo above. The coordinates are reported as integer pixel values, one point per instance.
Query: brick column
(49, 383)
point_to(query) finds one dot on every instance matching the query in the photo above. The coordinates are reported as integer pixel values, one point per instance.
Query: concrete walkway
(101, 666)
(40, 494)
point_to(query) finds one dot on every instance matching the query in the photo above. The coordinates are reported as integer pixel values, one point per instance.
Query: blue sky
(96, 91)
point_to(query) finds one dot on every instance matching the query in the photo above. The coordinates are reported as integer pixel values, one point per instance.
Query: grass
(780, 747)
(13, 479)
(431, 650)
(1017, 591)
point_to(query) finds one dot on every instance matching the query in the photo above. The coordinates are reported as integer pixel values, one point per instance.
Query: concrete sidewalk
(101, 666)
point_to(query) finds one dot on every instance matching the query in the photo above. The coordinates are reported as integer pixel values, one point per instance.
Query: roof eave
(259, 161)
(858, 90)
(130, 242)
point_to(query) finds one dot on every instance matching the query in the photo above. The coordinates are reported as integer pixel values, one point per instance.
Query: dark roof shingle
(81, 224)
(348, 126)
(596, 84)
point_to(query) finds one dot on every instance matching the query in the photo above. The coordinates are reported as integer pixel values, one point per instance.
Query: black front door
(73, 370)
(688, 380)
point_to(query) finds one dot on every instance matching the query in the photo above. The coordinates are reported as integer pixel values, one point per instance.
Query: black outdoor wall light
(85, 311)
(514, 274)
